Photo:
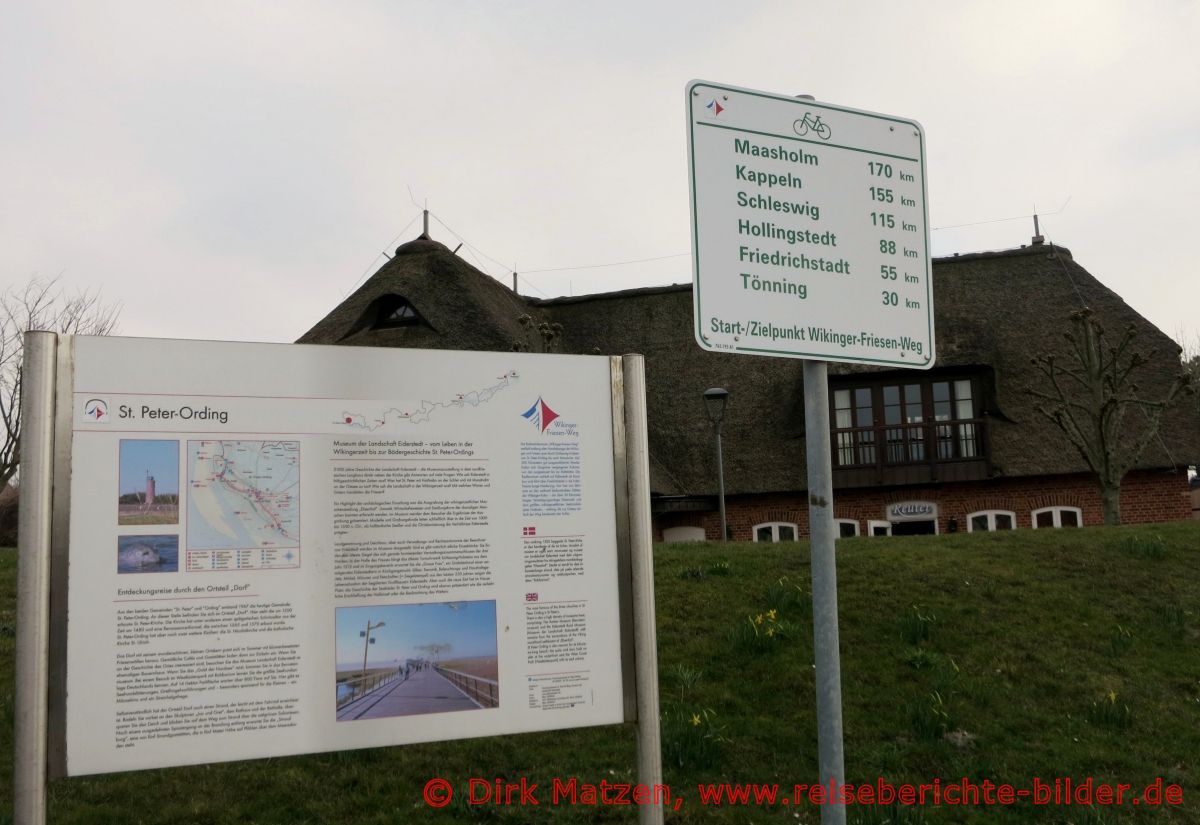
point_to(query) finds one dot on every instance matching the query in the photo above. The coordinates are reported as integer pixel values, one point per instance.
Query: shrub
(9, 504)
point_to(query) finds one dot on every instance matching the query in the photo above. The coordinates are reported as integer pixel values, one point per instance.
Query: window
(683, 534)
(852, 411)
(988, 520)
(1057, 517)
(894, 423)
(847, 528)
(879, 528)
(774, 531)
(393, 311)
(903, 414)
(952, 402)
(388, 312)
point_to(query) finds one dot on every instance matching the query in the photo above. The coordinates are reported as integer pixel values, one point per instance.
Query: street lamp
(714, 404)
(368, 640)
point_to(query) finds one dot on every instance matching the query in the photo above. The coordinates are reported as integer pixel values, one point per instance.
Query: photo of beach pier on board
(404, 660)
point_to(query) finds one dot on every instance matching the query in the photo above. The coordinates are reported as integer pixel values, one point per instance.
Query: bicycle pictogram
(812, 122)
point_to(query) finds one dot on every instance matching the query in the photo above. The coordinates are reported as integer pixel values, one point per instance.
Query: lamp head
(714, 402)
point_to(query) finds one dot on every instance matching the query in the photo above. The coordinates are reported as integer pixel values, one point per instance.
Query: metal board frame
(40, 740)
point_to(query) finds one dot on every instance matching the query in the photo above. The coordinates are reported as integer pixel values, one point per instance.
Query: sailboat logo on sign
(540, 415)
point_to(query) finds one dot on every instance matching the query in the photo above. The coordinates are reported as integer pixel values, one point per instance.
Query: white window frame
(886, 525)
(1057, 510)
(991, 519)
(774, 525)
(838, 522)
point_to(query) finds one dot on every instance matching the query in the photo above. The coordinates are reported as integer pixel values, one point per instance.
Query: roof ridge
(1015, 252)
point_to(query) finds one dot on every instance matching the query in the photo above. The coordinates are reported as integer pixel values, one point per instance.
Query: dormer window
(395, 311)
(893, 429)
(388, 312)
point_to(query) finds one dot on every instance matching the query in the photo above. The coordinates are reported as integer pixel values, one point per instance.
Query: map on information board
(243, 494)
(419, 413)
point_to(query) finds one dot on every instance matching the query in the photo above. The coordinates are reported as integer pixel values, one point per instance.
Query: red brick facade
(1146, 497)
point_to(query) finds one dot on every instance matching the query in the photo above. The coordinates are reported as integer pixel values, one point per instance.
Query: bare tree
(41, 304)
(436, 649)
(1191, 363)
(1091, 400)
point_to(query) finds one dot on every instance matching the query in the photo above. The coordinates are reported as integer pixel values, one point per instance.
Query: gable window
(401, 316)
(988, 520)
(395, 311)
(1057, 517)
(386, 312)
(772, 531)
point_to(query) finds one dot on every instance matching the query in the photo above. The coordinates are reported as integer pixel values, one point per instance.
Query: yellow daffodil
(695, 720)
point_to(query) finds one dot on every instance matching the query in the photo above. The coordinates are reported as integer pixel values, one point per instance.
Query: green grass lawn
(1048, 653)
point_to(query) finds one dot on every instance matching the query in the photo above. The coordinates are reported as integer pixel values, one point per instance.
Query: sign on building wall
(912, 511)
(280, 549)
(810, 229)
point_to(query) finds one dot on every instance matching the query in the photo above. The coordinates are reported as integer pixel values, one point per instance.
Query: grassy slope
(1030, 634)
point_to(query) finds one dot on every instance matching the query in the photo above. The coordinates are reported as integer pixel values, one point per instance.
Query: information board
(809, 229)
(282, 549)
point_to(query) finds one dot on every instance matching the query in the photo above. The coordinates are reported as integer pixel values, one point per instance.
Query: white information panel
(809, 228)
(281, 549)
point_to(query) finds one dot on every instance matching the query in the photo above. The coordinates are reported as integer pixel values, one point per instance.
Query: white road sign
(810, 231)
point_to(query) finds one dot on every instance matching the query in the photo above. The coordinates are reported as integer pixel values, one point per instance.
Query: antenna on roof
(424, 236)
(1038, 240)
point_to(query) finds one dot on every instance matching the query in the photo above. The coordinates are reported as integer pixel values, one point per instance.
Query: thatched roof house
(994, 312)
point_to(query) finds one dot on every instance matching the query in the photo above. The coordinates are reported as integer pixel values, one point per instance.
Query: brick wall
(1146, 497)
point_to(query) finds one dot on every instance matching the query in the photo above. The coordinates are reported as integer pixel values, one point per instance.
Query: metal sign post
(826, 644)
(637, 467)
(33, 578)
(810, 240)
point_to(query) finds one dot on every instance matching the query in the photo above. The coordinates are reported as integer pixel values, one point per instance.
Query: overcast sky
(233, 170)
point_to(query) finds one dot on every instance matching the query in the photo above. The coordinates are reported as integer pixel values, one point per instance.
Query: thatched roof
(459, 306)
(994, 312)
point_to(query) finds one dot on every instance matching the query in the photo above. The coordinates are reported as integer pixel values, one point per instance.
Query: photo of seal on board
(147, 554)
(139, 555)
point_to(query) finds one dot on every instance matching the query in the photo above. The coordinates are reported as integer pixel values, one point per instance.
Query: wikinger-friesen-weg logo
(540, 415)
(96, 409)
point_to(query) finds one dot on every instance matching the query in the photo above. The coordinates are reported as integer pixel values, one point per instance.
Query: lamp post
(714, 404)
(367, 640)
